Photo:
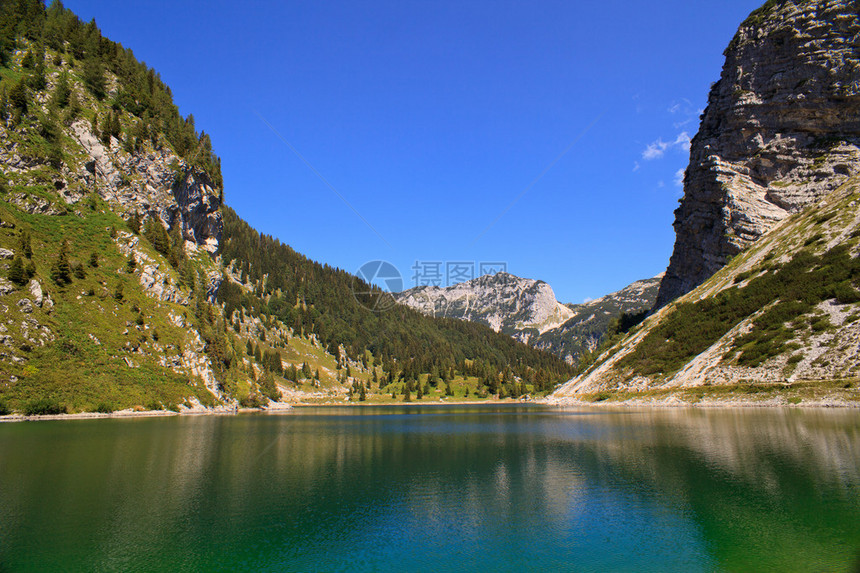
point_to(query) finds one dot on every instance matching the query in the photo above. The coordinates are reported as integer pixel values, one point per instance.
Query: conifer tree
(18, 96)
(4, 102)
(37, 78)
(62, 92)
(93, 76)
(16, 271)
(26, 246)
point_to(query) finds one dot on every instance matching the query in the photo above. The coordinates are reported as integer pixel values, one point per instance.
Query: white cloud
(657, 149)
(683, 141)
(660, 184)
(635, 166)
(679, 177)
(684, 106)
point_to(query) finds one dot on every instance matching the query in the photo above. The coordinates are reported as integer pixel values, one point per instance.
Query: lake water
(435, 488)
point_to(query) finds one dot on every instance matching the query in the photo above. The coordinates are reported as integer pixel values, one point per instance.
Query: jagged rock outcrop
(504, 302)
(781, 130)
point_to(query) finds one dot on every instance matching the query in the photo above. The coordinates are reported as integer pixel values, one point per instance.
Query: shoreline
(284, 407)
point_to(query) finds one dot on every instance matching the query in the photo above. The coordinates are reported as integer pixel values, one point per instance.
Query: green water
(437, 488)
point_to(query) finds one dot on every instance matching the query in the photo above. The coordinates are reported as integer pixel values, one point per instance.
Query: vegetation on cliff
(118, 290)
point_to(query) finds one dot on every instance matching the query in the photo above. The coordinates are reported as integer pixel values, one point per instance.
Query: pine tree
(106, 129)
(16, 271)
(156, 234)
(94, 259)
(61, 272)
(37, 79)
(134, 223)
(94, 78)
(18, 96)
(26, 246)
(62, 92)
(4, 103)
(74, 108)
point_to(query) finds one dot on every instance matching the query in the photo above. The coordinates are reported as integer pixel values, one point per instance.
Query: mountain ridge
(527, 310)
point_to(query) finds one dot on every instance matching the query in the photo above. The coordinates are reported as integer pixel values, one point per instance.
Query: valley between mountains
(128, 283)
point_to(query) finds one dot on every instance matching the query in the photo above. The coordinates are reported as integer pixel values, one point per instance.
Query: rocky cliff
(781, 130)
(760, 301)
(506, 303)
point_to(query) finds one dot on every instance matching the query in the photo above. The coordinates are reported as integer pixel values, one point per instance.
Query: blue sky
(546, 135)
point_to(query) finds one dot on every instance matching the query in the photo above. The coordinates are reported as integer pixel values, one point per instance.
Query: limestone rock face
(504, 302)
(156, 184)
(781, 130)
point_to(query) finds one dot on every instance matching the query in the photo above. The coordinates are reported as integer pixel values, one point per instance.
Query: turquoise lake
(435, 488)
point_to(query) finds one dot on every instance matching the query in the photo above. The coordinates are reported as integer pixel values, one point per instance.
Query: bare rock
(36, 291)
(781, 130)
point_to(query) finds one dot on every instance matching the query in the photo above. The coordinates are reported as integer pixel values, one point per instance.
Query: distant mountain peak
(503, 301)
(528, 310)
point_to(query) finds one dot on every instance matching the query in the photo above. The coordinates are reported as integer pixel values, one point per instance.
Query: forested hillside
(125, 281)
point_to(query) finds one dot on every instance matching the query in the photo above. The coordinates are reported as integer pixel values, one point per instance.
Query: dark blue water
(435, 488)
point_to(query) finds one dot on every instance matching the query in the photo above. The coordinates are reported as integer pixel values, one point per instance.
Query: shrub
(253, 400)
(795, 358)
(43, 407)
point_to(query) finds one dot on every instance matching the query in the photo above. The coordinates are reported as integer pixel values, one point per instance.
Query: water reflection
(511, 488)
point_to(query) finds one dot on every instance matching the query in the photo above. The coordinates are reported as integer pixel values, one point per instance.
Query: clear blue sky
(431, 118)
